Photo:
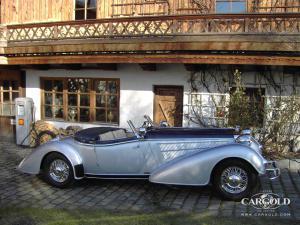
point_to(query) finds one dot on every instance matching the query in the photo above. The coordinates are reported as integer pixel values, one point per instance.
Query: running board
(116, 176)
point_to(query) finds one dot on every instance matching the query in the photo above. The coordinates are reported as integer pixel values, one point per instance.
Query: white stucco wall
(136, 88)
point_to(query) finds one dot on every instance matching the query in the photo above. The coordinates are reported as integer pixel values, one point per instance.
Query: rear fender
(196, 168)
(33, 162)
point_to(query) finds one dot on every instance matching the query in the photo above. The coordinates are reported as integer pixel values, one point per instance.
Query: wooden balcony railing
(161, 26)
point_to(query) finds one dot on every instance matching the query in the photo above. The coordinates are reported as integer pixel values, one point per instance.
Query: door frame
(180, 87)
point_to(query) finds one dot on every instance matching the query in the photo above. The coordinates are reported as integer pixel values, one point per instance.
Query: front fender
(32, 163)
(196, 168)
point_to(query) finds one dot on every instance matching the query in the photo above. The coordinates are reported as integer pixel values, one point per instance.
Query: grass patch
(32, 216)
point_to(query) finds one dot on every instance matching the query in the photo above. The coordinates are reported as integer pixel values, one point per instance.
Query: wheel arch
(78, 168)
(229, 159)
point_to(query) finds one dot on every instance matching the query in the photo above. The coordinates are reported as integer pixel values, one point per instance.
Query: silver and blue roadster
(161, 154)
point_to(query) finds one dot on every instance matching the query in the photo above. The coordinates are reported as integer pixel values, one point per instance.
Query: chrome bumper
(272, 170)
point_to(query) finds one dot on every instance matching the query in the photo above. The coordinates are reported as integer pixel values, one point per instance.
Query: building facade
(100, 63)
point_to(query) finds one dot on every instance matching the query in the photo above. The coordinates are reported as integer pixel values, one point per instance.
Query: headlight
(244, 139)
(246, 132)
(249, 141)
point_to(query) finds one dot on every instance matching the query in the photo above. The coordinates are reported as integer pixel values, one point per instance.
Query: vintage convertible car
(165, 155)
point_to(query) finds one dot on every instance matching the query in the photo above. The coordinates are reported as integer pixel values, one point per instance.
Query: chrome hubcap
(59, 170)
(234, 180)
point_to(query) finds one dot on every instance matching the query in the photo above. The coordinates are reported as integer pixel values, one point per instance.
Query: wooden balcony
(278, 32)
(162, 26)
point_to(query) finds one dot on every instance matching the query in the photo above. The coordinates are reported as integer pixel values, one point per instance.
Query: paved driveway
(29, 191)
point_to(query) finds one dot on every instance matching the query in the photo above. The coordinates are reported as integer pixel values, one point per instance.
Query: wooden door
(10, 88)
(168, 104)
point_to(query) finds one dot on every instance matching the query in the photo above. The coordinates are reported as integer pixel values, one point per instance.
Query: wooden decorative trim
(155, 26)
(212, 42)
(161, 58)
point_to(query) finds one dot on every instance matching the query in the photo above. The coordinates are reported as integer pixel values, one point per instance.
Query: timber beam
(157, 59)
(194, 67)
(107, 66)
(68, 66)
(10, 67)
(249, 42)
(36, 66)
(73, 66)
(148, 66)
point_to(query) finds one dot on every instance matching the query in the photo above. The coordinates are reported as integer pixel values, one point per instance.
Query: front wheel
(234, 179)
(58, 171)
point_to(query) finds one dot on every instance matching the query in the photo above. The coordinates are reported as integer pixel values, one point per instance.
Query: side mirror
(164, 124)
(142, 131)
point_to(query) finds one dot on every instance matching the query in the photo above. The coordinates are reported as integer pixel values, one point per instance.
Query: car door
(124, 158)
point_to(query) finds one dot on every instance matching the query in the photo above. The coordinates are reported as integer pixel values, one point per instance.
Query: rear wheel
(234, 179)
(58, 171)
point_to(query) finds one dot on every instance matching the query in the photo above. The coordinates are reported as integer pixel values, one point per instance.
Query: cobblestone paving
(23, 190)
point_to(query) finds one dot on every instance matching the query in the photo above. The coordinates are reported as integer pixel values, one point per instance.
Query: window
(231, 6)
(85, 9)
(53, 99)
(9, 91)
(106, 100)
(208, 109)
(81, 99)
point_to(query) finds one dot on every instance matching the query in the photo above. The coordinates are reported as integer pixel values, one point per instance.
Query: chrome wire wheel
(234, 180)
(59, 170)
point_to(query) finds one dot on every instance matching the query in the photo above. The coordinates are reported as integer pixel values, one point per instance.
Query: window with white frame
(207, 109)
(85, 9)
(212, 109)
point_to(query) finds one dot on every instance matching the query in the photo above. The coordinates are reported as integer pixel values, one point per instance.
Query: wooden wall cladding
(193, 6)
(30, 11)
(276, 6)
(141, 8)
(123, 8)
